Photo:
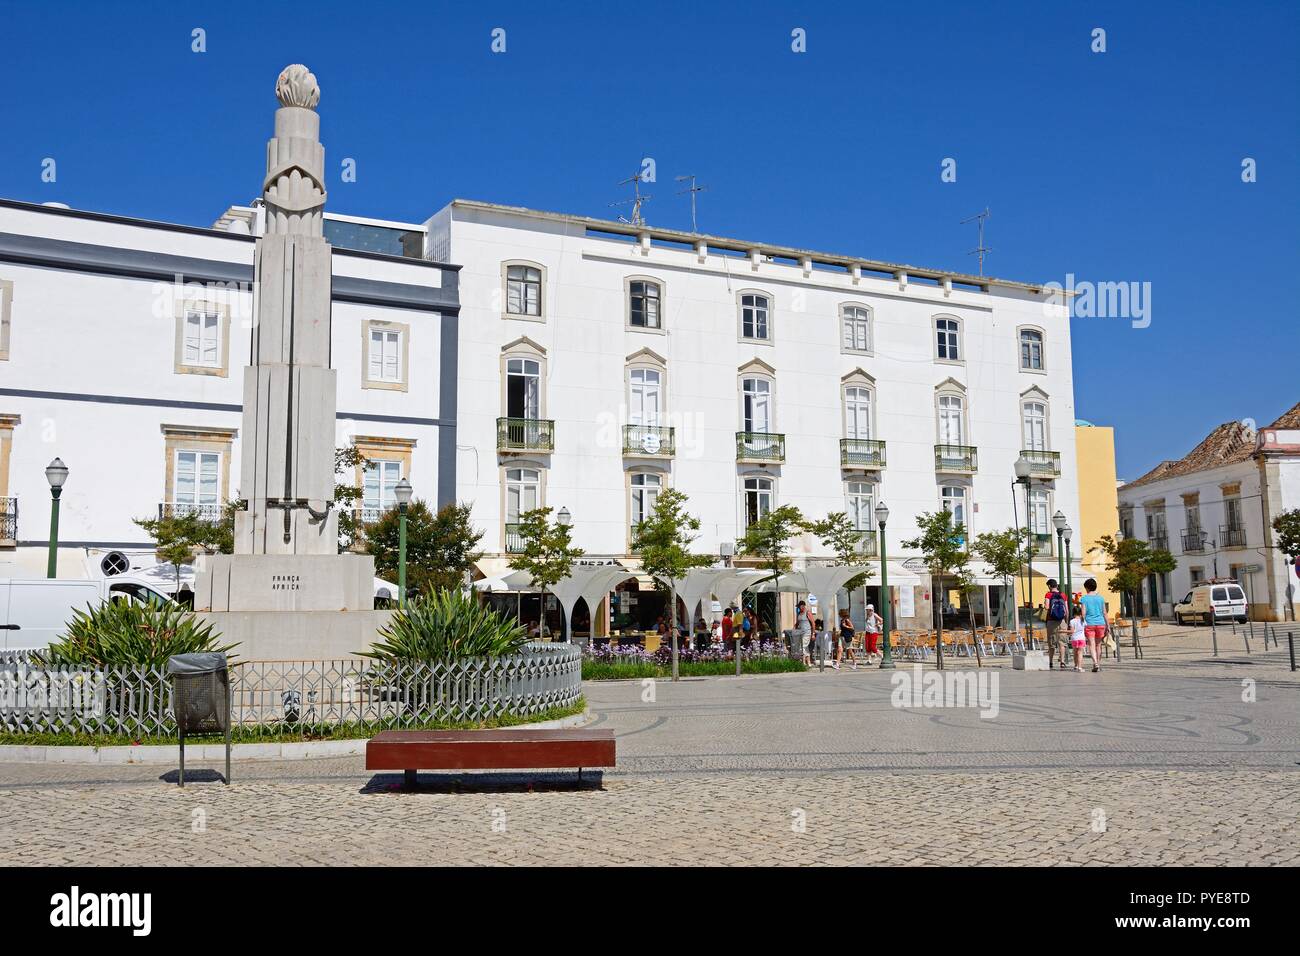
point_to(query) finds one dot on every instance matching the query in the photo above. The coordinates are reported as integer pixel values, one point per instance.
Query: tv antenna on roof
(692, 189)
(980, 250)
(635, 202)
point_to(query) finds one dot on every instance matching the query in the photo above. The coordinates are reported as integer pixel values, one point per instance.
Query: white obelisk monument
(286, 536)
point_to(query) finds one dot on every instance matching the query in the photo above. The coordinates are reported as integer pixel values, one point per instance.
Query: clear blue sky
(1117, 166)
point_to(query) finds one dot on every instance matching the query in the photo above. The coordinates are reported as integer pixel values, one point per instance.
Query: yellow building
(1098, 506)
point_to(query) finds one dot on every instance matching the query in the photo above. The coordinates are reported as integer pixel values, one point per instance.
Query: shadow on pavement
(490, 782)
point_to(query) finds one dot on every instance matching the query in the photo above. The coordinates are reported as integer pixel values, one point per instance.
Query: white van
(36, 611)
(1225, 599)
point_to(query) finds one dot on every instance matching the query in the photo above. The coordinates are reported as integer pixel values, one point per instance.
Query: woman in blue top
(1094, 621)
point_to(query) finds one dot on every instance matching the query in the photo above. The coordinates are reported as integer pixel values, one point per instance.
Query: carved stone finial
(297, 87)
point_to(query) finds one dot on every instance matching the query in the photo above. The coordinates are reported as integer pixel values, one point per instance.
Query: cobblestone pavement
(1140, 764)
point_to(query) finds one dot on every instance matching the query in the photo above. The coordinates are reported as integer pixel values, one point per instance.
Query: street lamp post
(56, 473)
(565, 519)
(1067, 534)
(402, 492)
(1024, 477)
(886, 658)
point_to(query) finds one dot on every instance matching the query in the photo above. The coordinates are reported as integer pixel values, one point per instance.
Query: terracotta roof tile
(1230, 442)
(1289, 419)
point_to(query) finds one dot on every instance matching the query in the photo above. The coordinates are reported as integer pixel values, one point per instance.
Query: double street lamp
(886, 658)
(1024, 476)
(402, 492)
(1067, 533)
(56, 473)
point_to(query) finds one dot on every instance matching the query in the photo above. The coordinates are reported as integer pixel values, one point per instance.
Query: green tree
(178, 538)
(441, 546)
(663, 541)
(1287, 527)
(839, 535)
(942, 543)
(1004, 553)
(768, 540)
(547, 554)
(346, 495)
(1131, 561)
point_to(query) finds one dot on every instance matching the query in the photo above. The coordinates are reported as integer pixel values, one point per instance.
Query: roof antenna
(981, 250)
(635, 202)
(692, 189)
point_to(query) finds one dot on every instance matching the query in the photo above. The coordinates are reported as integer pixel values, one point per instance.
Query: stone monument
(286, 532)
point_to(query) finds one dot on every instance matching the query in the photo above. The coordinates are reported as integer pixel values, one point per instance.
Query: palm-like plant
(446, 626)
(129, 634)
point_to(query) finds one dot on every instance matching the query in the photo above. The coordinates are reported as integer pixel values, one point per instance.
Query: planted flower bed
(608, 662)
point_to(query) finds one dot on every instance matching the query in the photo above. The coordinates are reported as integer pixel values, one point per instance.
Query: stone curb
(194, 753)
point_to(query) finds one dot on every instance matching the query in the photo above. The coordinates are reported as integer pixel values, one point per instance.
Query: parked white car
(36, 611)
(1224, 599)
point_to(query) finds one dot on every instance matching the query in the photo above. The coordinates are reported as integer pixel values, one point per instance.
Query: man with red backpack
(1056, 610)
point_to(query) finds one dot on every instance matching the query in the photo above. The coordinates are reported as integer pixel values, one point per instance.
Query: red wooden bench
(507, 749)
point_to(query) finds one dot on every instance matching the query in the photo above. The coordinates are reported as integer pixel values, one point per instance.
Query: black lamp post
(1024, 471)
(1067, 533)
(886, 658)
(56, 473)
(402, 492)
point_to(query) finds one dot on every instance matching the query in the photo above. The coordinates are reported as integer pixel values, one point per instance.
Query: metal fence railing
(275, 697)
(8, 519)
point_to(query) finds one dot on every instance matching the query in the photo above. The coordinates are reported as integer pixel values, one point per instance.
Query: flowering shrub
(609, 661)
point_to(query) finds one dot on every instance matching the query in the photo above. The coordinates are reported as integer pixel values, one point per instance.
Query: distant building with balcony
(1213, 509)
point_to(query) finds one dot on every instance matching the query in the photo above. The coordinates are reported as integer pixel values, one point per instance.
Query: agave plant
(446, 625)
(129, 634)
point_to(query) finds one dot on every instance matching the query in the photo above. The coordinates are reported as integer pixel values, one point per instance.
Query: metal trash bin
(200, 699)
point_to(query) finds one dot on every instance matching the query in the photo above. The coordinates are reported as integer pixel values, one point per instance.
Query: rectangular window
(856, 327)
(377, 487)
(947, 339)
(202, 339)
(1232, 512)
(758, 498)
(644, 305)
(197, 479)
(859, 500)
(754, 316)
(523, 290)
(385, 355)
(1031, 350)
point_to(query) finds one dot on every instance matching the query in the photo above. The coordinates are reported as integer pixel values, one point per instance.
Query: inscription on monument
(285, 582)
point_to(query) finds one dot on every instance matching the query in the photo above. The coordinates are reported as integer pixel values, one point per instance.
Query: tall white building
(1213, 509)
(602, 362)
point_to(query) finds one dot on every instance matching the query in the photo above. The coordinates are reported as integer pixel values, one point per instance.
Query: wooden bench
(507, 749)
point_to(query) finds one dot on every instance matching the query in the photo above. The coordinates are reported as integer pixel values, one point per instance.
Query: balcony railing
(868, 546)
(649, 441)
(760, 446)
(955, 458)
(525, 434)
(1193, 541)
(514, 540)
(8, 520)
(183, 509)
(1041, 542)
(1230, 536)
(1158, 541)
(862, 453)
(1042, 464)
(369, 514)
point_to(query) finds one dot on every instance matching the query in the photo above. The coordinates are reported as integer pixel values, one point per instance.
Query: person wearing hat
(872, 630)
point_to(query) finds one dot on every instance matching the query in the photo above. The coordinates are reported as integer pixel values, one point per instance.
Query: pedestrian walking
(846, 639)
(803, 631)
(1094, 621)
(1055, 614)
(872, 631)
(1078, 637)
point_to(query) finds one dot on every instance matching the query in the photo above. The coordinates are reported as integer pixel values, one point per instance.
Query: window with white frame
(1031, 350)
(756, 405)
(202, 346)
(952, 420)
(523, 290)
(645, 492)
(643, 304)
(859, 499)
(947, 339)
(645, 396)
(523, 492)
(754, 316)
(758, 498)
(523, 388)
(385, 358)
(857, 412)
(1040, 524)
(197, 480)
(953, 500)
(1033, 419)
(378, 486)
(855, 326)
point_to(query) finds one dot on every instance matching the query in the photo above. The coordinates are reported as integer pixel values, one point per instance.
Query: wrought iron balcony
(8, 520)
(1193, 541)
(184, 509)
(1158, 541)
(862, 453)
(514, 540)
(867, 544)
(369, 514)
(525, 434)
(1230, 536)
(956, 458)
(760, 446)
(649, 441)
(1042, 464)
(1041, 543)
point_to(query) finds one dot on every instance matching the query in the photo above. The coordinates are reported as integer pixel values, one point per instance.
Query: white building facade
(1213, 510)
(602, 362)
(122, 349)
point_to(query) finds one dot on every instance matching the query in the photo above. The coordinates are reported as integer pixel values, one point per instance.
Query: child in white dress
(1077, 639)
